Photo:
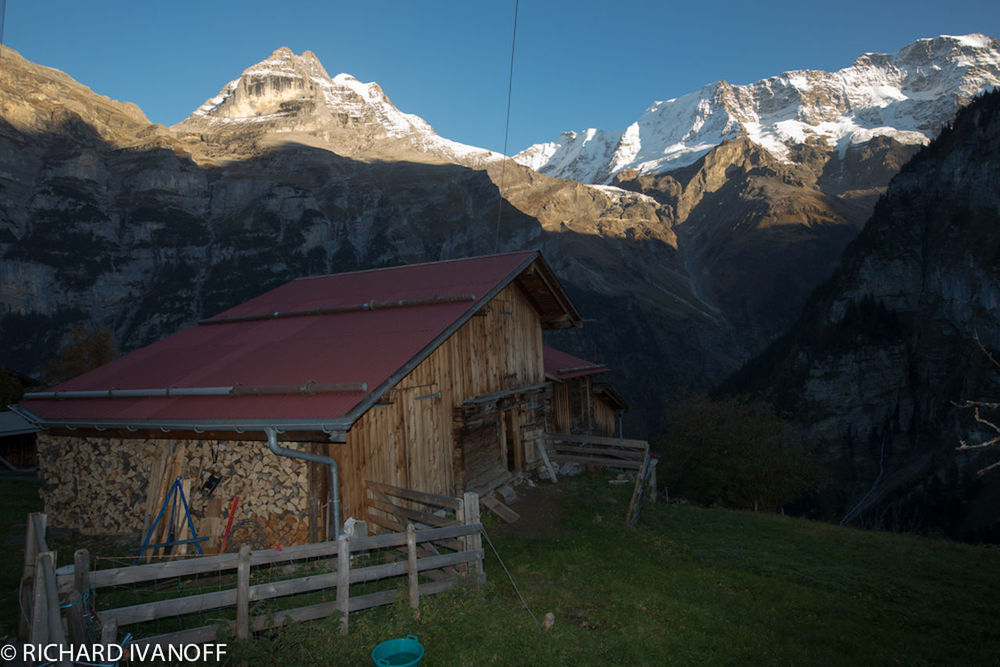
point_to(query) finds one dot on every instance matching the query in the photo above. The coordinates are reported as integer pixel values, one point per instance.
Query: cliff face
(886, 347)
(767, 182)
(758, 234)
(107, 219)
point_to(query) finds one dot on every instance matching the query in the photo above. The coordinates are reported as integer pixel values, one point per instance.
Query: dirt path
(540, 509)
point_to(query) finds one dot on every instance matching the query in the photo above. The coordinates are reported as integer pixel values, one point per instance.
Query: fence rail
(462, 560)
(610, 453)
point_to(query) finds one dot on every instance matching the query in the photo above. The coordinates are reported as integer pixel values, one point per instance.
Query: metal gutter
(272, 443)
(309, 388)
(335, 429)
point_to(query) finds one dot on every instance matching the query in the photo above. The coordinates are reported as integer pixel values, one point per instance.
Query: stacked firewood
(116, 486)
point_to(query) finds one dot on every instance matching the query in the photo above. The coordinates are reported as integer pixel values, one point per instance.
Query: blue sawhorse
(173, 494)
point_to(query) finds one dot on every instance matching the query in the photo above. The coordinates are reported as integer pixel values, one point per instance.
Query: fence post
(56, 635)
(25, 596)
(109, 631)
(243, 594)
(412, 572)
(470, 502)
(39, 613)
(74, 618)
(460, 519)
(343, 580)
(31, 543)
(81, 571)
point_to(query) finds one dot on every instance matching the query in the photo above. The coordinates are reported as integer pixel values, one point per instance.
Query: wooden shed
(580, 404)
(428, 376)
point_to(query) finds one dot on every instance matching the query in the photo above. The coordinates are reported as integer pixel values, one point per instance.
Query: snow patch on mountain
(908, 96)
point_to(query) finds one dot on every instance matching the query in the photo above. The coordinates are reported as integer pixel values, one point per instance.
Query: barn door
(510, 439)
(423, 442)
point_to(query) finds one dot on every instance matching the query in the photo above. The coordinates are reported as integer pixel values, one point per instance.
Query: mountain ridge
(908, 96)
(288, 94)
(886, 347)
(144, 228)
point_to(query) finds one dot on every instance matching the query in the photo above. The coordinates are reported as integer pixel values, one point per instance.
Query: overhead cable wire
(509, 576)
(3, 23)
(506, 129)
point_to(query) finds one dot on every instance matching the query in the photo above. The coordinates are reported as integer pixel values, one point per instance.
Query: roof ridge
(418, 264)
(368, 306)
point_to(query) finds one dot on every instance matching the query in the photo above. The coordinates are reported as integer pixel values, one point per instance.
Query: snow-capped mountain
(292, 93)
(907, 96)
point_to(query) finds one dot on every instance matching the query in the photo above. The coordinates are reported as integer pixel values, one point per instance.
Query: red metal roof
(562, 366)
(354, 346)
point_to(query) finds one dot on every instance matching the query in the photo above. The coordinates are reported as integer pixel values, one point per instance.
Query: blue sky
(577, 64)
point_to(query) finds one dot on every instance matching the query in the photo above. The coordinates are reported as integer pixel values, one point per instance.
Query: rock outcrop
(289, 172)
(886, 348)
(107, 219)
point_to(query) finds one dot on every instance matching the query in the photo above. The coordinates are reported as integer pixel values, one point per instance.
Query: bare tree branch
(976, 406)
(980, 473)
(988, 354)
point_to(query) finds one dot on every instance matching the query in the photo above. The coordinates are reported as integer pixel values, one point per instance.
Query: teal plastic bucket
(399, 652)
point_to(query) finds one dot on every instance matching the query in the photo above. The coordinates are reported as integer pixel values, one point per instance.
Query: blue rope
(86, 596)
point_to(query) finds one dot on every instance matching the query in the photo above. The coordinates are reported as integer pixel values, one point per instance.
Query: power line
(3, 22)
(506, 129)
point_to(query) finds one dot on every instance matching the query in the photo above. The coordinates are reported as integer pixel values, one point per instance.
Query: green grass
(18, 497)
(689, 586)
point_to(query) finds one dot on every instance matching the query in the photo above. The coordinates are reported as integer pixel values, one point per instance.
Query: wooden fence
(609, 453)
(457, 557)
(40, 620)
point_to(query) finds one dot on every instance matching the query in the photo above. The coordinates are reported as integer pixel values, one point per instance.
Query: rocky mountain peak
(35, 98)
(265, 90)
(288, 93)
(907, 96)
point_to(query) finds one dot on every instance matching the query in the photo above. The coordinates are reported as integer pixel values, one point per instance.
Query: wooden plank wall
(562, 416)
(605, 417)
(576, 408)
(408, 442)
(484, 432)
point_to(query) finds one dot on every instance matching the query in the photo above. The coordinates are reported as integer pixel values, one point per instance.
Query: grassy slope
(18, 497)
(694, 586)
(690, 586)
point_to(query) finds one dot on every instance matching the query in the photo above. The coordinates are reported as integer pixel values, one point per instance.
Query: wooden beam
(417, 496)
(599, 440)
(343, 582)
(501, 510)
(243, 594)
(497, 395)
(474, 542)
(412, 573)
(600, 460)
(629, 454)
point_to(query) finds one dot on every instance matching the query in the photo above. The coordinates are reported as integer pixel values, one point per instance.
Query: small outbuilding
(581, 404)
(17, 442)
(429, 376)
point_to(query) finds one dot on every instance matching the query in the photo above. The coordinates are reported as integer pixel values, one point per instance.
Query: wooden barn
(430, 377)
(581, 404)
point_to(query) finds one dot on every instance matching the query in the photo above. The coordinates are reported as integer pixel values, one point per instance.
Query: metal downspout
(272, 443)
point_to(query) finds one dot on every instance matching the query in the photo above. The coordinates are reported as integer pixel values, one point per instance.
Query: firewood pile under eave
(100, 485)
